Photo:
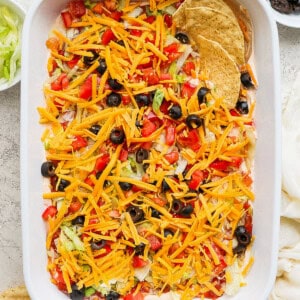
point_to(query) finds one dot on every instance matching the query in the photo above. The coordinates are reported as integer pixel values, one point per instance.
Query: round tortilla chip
(229, 7)
(222, 69)
(16, 293)
(218, 27)
(245, 23)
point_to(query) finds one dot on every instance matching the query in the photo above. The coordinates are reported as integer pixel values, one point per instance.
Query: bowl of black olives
(286, 12)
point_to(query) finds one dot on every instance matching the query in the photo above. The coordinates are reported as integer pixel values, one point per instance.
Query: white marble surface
(10, 215)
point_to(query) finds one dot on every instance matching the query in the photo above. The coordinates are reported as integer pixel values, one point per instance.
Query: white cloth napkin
(287, 286)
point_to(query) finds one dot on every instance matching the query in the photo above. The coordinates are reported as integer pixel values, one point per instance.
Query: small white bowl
(20, 11)
(290, 20)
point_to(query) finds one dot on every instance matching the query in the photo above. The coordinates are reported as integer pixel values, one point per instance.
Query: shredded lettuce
(157, 100)
(10, 43)
(77, 243)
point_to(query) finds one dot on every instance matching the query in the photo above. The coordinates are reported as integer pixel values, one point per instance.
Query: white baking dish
(38, 22)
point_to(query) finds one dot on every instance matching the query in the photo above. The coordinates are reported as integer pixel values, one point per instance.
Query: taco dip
(148, 148)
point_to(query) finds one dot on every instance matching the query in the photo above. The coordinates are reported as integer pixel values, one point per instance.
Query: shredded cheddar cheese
(135, 187)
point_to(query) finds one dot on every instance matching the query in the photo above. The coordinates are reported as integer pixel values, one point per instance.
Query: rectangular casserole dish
(38, 23)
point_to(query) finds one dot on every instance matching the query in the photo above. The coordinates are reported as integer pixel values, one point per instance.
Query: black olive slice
(63, 184)
(177, 206)
(102, 66)
(89, 60)
(167, 232)
(97, 245)
(242, 107)
(164, 186)
(117, 136)
(175, 112)
(112, 295)
(78, 220)
(155, 213)
(139, 249)
(182, 37)
(142, 100)
(95, 129)
(141, 155)
(187, 210)
(48, 169)
(76, 294)
(113, 100)
(201, 94)
(246, 80)
(242, 235)
(193, 121)
(125, 186)
(136, 213)
(114, 84)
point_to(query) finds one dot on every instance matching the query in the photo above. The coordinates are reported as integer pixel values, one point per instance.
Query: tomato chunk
(67, 18)
(77, 8)
(138, 262)
(107, 36)
(49, 212)
(148, 128)
(102, 162)
(154, 241)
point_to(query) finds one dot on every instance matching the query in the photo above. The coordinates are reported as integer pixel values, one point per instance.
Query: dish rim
(24, 150)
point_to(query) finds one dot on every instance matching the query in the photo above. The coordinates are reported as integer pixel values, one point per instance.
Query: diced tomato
(85, 90)
(168, 20)
(220, 165)
(123, 155)
(188, 90)
(248, 222)
(89, 181)
(126, 99)
(154, 241)
(172, 157)
(75, 206)
(197, 177)
(138, 262)
(116, 15)
(172, 48)
(220, 267)
(170, 134)
(59, 279)
(192, 139)
(62, 82)
(236, 162)
(146, 145)
(135, 32)
(67, 18)
(77, 8)
(148, 128)
(188, 67)
(79, 143)
(98, 8)
(134, 296)
(150, 76)
(107, 36)
(234, 113)
(150, 19)
(164, 108)
(73, 62)
(49, 212)
(136, 188)
(165, 76)
(102, 162)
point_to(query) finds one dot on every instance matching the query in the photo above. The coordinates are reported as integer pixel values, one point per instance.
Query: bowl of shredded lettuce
(11, 21)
